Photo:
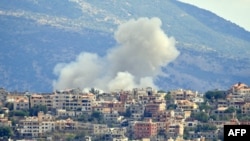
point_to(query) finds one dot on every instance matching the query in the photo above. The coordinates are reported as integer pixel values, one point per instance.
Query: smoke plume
(142, 50)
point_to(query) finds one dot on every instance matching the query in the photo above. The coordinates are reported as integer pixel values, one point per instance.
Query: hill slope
(35, 36)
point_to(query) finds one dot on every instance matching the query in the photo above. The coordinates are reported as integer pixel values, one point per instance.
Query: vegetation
(205, 128)
(200, 116)
(37, 108)
(171, 106)
(18, 113)
(5, 131)
(96, 117)
(230, 110)
(216, 94)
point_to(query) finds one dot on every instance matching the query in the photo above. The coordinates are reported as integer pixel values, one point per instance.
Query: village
(140, 114)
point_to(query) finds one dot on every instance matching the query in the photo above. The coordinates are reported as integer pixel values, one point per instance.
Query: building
(186, 105)
(181, 94)
(36, 126)
(175, 129)
(20, 103)
(155, 106)
(145, 129)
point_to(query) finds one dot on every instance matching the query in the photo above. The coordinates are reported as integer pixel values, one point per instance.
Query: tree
(205, 128)
(37, 108)
(94, 91)
(204, 106)
(171, 107)
(9, 105)
(5, 131)
(216, 94)
(19, 113)
(97, 117)
(230, 110)
(200, 116)
(127, 114)
(168, 97)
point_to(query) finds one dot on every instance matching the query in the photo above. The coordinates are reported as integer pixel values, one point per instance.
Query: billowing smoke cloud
(143, 49)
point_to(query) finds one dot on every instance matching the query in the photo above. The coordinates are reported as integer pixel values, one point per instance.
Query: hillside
(35, 36)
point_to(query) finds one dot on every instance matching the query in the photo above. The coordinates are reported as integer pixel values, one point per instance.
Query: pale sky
(236, 11)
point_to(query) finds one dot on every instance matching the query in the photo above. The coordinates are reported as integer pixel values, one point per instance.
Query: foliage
(83, 118)
(205, 128)
(94, 91)
(19, 113)
(171, 107)
(200, 116)
(230, 110)
(1, 111)
(5, 131)
(186, 132)
(97, 117)
(168, 97)
(161, 91)
(127, 114)
(216, 94)
(204, 106)
(9, 105)
(37, 108)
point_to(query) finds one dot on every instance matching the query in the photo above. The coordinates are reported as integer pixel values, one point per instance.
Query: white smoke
(143, 49)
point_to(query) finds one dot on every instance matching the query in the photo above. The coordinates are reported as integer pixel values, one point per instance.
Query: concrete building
(145, 129)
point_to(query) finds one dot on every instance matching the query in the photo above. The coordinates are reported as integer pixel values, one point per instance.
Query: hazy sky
(236, 11)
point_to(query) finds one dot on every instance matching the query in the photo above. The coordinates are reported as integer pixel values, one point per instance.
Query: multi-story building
(99, 129)
(186, 105)
(113, 117)
(21, 102)
(36, 99)
(239, 89)
(175, 129)
(181, 94)
(155, 106)
(162, 116)
(145, 129)
(73, 100)
(36, 126)
(137, 110)
(66, 125)
(245, 109)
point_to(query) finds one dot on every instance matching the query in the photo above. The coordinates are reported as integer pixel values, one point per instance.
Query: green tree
(205, 128)
(37, 108)
(94, 91)
(19, 113)
(9, 105)
(230, 110)
(200, 116)
(97, 117)
(171, 106)
(216, 94)
(204, 106)
(5, 131)
(127, 114)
